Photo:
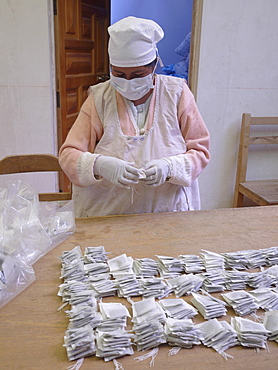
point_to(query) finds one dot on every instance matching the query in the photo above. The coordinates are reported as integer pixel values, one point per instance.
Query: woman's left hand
(156, 172)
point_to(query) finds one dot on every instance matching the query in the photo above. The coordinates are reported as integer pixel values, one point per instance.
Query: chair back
(35, 163)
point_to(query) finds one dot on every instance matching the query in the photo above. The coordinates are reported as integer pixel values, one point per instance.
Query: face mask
(133, 89)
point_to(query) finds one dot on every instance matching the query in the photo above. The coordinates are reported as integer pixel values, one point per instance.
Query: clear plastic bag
(28, 230)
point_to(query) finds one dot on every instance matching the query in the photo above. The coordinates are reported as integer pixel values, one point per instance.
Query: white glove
(115, 170)
(156, 172)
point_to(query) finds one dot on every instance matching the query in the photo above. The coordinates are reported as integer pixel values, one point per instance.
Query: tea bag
(154, 287)
(213, 280)
(145, 267)
(95, 255)
(72, 265)
(259, 279)
(255, 258)
(192, 263)
(209, 306)
(66, 290)
(120, 266)
(236, 280)
(128, 286)
(81, 315)
(169, 266)
(147, 310)
(270, 255)
(113, 344)
(250, 333)
(241, 301)
(181, 333)
(97, 271)
(217, 334)
(212, 260)
(235, 260)
(80, 342)
(271, 324)
(272, 274)
(177, 308)
(114, 316)
(104, 288)
(266, 298)
(185, 284)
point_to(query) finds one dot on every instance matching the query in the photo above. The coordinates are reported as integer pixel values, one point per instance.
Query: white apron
(163, 139)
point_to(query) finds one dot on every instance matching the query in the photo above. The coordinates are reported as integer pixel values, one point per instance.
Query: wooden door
(81, 39)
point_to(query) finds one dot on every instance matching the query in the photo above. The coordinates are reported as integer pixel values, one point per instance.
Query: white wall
(238, 73)
(27, 120)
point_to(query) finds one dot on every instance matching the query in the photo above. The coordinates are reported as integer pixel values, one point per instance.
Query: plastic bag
(28, 230)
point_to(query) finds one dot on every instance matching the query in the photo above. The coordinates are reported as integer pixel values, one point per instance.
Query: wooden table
(32, 329)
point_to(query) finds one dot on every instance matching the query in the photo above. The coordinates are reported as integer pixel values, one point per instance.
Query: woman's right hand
(116, 171)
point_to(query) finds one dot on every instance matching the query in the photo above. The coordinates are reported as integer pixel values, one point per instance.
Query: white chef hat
(133, 41)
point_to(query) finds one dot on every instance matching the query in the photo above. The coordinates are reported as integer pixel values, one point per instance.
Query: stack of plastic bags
(28, 230)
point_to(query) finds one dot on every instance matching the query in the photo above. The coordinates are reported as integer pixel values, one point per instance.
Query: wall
(27, 117)
(237, 73)
(173, 16)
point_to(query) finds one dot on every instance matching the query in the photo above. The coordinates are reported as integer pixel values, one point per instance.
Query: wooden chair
(261, 192)
(34, 163)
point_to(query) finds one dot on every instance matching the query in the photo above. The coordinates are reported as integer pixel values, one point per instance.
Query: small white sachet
(148, 318)
(120, 265)
(271, 324)
(145, 267)
(209, 306)
(217, 334)
(212, 260)
(113, 344)
(82, 315)
(97, 271)
(80, 342)
(255, 258)
(169, 266)
(181, 333)
(95, 254)
(241, 301)
(104, 288)
(177, 308)
(192, 263)
(128, 285)
(154, 287)
(235, 260)
(266, 298)
(270, 255)
(213, 280)
(259, 279)
(114, 316)
(185, 284)
(236, 280)
(250, 333)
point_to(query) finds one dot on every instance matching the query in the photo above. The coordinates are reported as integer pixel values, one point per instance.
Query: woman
(139, 142)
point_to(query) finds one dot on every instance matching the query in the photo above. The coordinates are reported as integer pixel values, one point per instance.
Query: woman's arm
(76, 154)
